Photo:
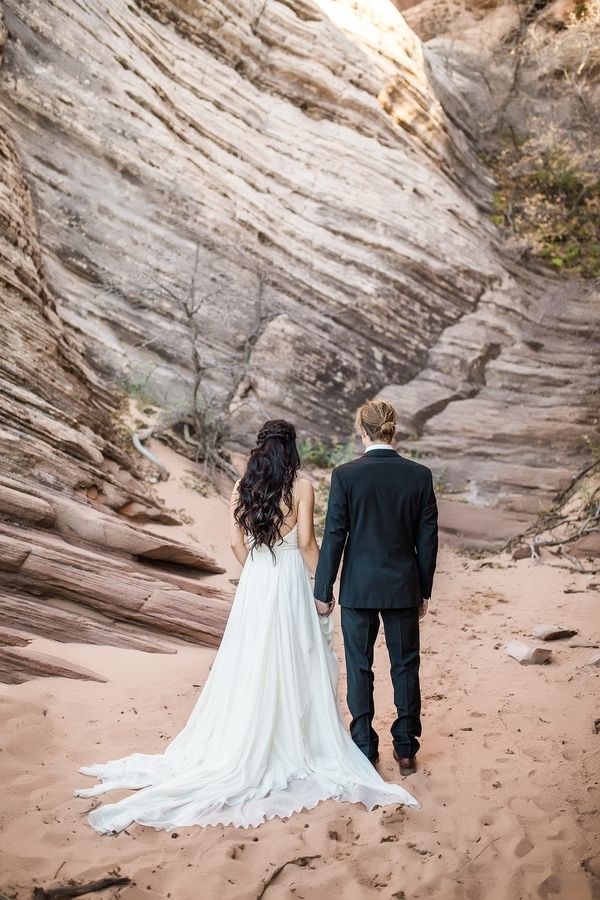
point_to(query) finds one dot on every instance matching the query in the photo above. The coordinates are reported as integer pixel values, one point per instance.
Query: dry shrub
(573, 50)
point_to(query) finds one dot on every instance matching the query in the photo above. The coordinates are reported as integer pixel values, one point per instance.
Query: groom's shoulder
(417, 469)
(346, 469)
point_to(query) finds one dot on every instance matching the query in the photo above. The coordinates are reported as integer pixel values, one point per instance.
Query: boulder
(587, 546)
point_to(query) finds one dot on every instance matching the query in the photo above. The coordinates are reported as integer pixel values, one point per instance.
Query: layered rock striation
(297, 148)
(75, 560)
(506, 403)
(506, 406)
(288, 167)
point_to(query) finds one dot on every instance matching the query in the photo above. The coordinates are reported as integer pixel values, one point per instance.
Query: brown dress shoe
(408, 764)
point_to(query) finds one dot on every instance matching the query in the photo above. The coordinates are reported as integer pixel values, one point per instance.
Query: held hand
(423, 608)
(324, 609)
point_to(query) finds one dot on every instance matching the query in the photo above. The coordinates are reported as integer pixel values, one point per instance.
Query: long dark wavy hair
(267, 481)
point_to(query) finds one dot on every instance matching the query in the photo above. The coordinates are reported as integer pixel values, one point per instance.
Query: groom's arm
(426, 539)
(334, 539)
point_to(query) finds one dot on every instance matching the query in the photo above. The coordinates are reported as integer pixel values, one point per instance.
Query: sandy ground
(509, 773)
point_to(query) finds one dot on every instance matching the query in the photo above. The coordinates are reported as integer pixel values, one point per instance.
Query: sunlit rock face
(297, 144)
(291, 160)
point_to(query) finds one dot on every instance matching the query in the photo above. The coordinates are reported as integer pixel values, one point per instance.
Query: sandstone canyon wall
(507, 401)
(75, 561)
(299, 151)
(298, 144)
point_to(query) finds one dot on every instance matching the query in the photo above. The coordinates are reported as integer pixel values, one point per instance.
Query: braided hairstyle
(268, 479)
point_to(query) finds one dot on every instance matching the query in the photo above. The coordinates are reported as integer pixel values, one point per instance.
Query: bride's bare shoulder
(303, 487)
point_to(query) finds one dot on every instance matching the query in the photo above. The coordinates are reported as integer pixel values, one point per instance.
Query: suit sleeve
(426, 540)
(334, 539)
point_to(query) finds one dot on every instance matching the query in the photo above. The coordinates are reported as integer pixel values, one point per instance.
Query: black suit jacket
(382, 515)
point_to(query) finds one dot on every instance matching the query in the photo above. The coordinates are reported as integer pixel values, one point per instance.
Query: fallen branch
(212, 457)
(298, 861)
(562, 495)
(532, 537)
(481, 852)
(77, 890)
(583, 522)
(558, 542)
(137, 438)
(187, 435)
(533, 548)
(572, 559)
(58, 870)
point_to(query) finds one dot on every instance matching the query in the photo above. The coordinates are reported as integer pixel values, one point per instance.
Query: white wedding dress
(266, 737)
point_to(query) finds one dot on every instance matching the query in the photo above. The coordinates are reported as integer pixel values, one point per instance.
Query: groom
(382, 516)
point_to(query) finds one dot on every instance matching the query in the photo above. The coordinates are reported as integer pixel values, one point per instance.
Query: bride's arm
(236, 538)
(307, 541)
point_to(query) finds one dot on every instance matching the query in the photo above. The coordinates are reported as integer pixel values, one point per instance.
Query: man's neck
(378, 445)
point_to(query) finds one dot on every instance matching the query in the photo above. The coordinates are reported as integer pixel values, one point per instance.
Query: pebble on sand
(528, 655)
(552, 632)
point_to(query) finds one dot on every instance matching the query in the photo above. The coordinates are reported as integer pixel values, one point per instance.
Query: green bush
(318, 454)
(552, 202)
(557, 178)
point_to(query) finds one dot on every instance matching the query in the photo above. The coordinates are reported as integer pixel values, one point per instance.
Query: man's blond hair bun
(378, 418)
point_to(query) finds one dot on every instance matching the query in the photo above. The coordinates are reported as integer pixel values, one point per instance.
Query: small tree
(205, 423)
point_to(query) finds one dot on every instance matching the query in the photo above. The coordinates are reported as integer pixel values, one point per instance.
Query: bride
(266, 737)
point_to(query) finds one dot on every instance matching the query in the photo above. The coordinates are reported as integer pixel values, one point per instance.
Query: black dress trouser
(359, 629)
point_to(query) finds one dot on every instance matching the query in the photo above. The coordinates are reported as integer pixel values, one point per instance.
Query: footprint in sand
(523, 847)
(235, 851)
(422, 851)
(342, 830)
(488, 775)
(570, 754)
(551, 885)
(393, 819)
(490, 740)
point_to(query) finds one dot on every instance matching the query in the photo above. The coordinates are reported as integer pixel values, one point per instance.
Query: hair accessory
(275, 430)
